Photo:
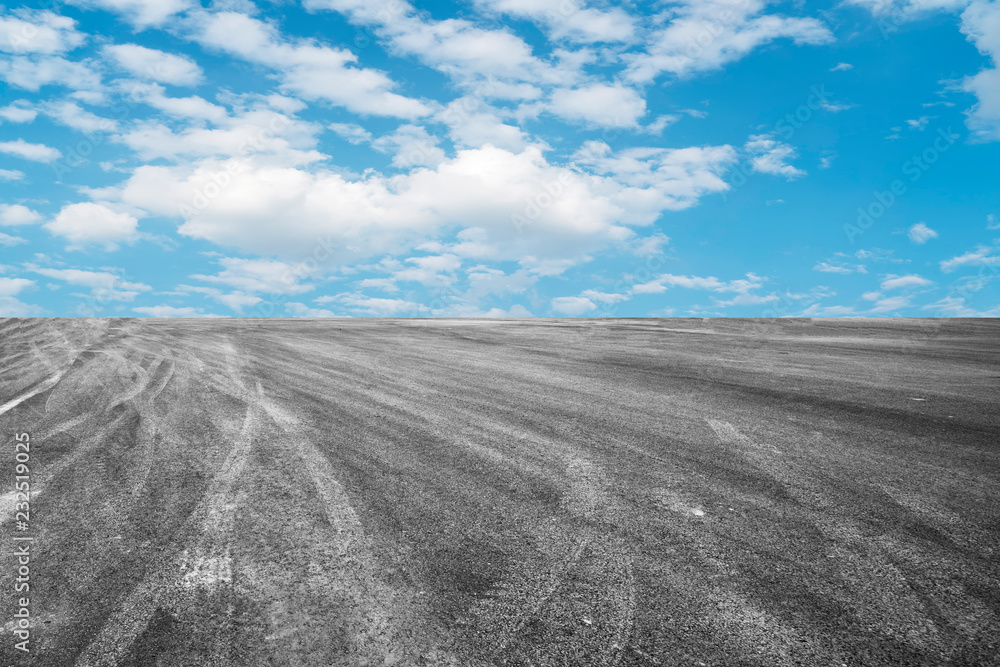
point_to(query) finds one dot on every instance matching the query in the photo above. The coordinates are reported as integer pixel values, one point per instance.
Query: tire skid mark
(591, 557)
(39, 388)
(378, 618)
(96, 434)
(175, 577)
(729, 435)
(517, 602)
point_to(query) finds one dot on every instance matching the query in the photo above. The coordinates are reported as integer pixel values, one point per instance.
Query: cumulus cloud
(828, 267)
(259, 275)
(9, 240)
(360, 304)
(570, 20)
(351, 132)
(140, 13)
(33, 72)
(599, 104)
(311, 70)
(707, 34)
(15, 113)
(524, 207)
(467, 53)
(473, 123)
(14, 286)
(981, 256)
(411, 146)
(42, 32)
(981, 24)
(900, 282)
(29, 151)
(155, 65)
(103, 285)
(89, 222)
(172, 311)
(920, 233)
(890, 304)
(17, 214)
(769, 156)
(573, 305)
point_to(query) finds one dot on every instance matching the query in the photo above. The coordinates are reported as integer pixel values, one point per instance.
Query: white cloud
(769, 156)
(8, 240)
(707, 34)
(260, 275)
(11, 175)
(31, 73)
(827, 267)
(472, 124)
(172, 311)
(351, 132)
(155, 65)
(384, 284)
(920, 233)
(742, 286)
(104, 286)
(17, 114)
(89, 222)
(263, 131)
(411, 146)
(981, 256)
(14, 286)
(651, 245)
(981, 24)
(900, 282)
(604, 297)
(17, 214)
(36, 152)
(365, 305)
(311, 70)
(141, 13)
(890, 304)
(237, 301)
(569, 20)
(955, 306)
(468, 54)
(433, 270)
(93, 279)
(842, 67)
(599, 104)
(573, 306)
(71, 115)
(524, 206)
(919, 123)
(41, 32)
(302, 310)
(907, 10)
(991, 222)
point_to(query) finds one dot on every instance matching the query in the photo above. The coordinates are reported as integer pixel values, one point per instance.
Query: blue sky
(500, 158)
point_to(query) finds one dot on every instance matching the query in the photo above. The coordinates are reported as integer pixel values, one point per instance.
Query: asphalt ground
(470, 492)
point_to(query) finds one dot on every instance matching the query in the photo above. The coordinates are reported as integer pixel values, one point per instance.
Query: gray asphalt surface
(549, 492)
